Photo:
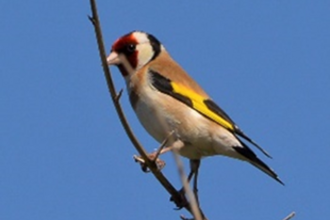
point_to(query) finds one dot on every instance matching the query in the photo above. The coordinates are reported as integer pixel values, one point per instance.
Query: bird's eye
(130, 48)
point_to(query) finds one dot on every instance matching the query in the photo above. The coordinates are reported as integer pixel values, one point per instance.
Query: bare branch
(196, 211)
(290, 216)
(118, 96)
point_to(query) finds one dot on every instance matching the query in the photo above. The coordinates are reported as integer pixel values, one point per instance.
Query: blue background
(64, 154)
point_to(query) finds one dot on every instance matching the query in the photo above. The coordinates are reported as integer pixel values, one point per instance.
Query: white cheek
(144, 55)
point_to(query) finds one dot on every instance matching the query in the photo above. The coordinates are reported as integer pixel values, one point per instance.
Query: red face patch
(126, 45)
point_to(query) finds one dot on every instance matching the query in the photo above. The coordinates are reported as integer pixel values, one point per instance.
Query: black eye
(130, 48)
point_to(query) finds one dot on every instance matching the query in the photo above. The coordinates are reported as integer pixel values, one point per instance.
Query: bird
(167, 101)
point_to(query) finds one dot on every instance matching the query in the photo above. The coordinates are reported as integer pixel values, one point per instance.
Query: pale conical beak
(113, 59)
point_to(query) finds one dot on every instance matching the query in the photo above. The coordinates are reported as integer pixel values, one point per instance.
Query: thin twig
(118, 96)
(196, 211)
(290, 216)
(115, 98)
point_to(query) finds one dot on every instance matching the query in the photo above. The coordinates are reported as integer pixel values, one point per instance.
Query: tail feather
(251, 157)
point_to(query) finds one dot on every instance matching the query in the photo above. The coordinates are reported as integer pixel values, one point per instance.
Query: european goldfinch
(167, 100)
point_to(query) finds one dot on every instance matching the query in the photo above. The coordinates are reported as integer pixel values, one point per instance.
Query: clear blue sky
(65, 156)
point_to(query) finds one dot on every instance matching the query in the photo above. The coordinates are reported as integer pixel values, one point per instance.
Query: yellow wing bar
(199, 104)
(204, 106)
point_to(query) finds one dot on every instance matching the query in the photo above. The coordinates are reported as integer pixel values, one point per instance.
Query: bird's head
(134, 50)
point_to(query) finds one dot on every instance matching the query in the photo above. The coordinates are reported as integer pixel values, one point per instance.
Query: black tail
(251, 157)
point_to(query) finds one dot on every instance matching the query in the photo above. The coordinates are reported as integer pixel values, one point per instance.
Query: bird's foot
(160, 163)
